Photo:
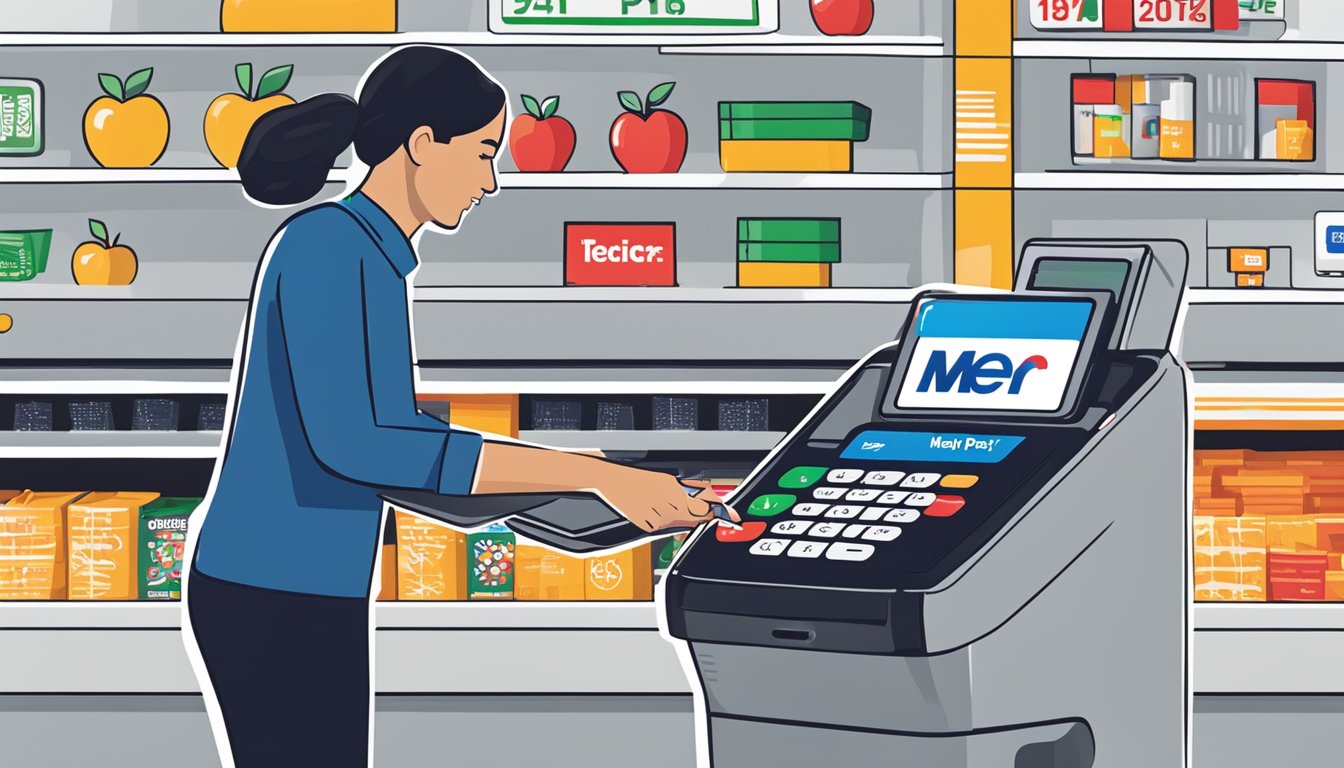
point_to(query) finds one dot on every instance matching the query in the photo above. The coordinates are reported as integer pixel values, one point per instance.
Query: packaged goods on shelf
(33, 545)
(23, 254)
(1221, 458)
(1285, 117)
(101, 533)
(1296, 576)
(33, 417)
(308, 16)
(544, 574)
(556, 414)
(1145, 117)
(94, 416)
(745, 415)
(798, 136)
(21, 117)
(163, 540)
(1230, 558)
(496, 414)
(491, 572)
(784, 156)
(210, 418)
(676, 413)
(626, 575)
(1290, 532)
(615, 416)
(431, 560)
(803, 253)
(1329, 532)
(752, 274)
(154, 415)
(788, 230)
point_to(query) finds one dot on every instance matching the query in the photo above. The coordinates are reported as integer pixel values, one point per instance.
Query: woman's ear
(419, 143)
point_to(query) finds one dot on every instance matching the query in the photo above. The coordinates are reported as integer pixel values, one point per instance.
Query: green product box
(23, 254)
(788, 230)
(163, 541)
(20, 117)
(797, 129)
(810, 253)
(490, 568)
(795, 110)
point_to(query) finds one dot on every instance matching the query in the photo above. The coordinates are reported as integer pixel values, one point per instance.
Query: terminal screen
(1080, 275)
(993, 355)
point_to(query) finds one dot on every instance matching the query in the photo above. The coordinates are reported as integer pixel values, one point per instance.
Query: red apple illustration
(540, 141)
(645, 139)
(842, 17)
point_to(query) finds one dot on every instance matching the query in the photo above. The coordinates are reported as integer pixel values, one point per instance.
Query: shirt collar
(385, 232)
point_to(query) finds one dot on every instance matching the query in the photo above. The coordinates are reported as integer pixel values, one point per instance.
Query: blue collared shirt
(326, 417)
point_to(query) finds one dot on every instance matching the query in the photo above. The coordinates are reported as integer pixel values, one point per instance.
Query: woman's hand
(656, 501)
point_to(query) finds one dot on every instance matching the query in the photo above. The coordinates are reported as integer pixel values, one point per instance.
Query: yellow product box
(1250, 281)
(496, 414)
(103, 535)
(1295, 140)
(33, 545)
(626, 575)
(786, 156)
(1290, 532)
(308, 16)
(543, 574)
(765, 274)
(1108, 132)
(1230, 557)
(1249, 260)
(431, 560)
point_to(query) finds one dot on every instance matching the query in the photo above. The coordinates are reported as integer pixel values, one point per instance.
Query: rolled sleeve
(461, 457)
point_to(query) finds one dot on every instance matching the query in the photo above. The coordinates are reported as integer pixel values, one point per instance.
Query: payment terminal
(973, 552)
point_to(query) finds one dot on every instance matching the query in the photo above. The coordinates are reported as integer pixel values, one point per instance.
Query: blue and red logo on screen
(971, 372)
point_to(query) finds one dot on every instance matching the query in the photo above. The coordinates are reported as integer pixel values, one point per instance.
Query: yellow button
(959, 481)
(6, 322)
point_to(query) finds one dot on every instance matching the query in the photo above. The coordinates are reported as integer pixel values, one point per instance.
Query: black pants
(290, 671)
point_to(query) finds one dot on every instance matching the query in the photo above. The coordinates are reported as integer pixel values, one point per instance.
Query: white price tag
(1173, 14)
(633, 16)
(1065, 14)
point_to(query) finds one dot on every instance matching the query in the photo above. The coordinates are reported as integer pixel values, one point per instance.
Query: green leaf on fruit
(243, 74)
(99, 230)
(274, 81)
(550, 107)
(630, 100)
(530, 104)
(138, 82)
(660, 93)
(112, 86)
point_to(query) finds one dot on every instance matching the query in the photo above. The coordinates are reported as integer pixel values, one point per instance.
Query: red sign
(620, 254)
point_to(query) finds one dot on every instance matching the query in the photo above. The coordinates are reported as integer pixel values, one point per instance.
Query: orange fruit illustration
(231, 115)
(103, 261)
(127, 128)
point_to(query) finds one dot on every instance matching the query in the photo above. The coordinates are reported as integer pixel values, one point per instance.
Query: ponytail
(290, 151)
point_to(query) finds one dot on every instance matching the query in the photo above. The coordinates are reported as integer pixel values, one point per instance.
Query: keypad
(834, 518)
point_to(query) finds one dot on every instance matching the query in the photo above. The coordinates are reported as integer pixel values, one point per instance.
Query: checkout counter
(973, 552)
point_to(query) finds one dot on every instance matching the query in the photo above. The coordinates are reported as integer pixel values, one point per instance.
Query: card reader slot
(785, 603)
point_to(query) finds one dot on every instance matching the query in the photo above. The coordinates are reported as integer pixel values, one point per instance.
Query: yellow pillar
(983, 143)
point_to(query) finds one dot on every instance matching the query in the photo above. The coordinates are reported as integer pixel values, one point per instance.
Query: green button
(771, 504)
(801, 477)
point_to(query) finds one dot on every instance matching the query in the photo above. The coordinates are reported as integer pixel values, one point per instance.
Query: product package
(626, 575)
(791, 136)
(32, 417)
(1230, 558)
(21, 116)
(491, 567)
(755, 274)
(1285, 117)
(210, 418)
(33, 548)
(615, 416)
(163, 541)
(746, 415)
(1109, 138)
(95, 416)
(496, 414)
(154, 415)
(101, 535)
(1178, 123)
(308, 16)
(556, 414)
(431, 560)
(1296, 576)
(787, 252)
(544, 574)
(676, 413)
(23, 253)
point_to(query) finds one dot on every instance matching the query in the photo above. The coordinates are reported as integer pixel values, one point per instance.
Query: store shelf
(1177, 179)
(114, 381)
(1231, 327)
(118, 176)
(771, 181)
(1237, 50)
(109, 445)
(175, 280)
(646, 295)
(1268, 649)
(654, 440)
(679, 379)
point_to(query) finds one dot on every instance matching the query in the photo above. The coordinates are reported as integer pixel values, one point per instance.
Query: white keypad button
(828, 494)
(892, 498)
(853, 531)
(902, 516)
(769, 547)
(791, 527)
(862, 494)
(881, 533)
(844, 550)
(844, 513)
(920, 499)
(843, 475)
(873, 514)
(827, 530)
(883, 478)
(807, 549)
(810, 510)
(920, 480)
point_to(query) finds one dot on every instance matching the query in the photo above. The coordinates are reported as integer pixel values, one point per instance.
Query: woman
(325, 416)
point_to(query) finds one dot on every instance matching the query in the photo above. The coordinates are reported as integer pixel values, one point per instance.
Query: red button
(749, 532)
(944, 506)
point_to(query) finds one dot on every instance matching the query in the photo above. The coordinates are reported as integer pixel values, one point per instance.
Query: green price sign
(632, 16)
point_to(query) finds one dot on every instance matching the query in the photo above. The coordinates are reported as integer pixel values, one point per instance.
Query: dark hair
(290, 150)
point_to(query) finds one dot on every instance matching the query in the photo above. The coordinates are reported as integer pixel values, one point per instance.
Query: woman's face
(455, 175)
